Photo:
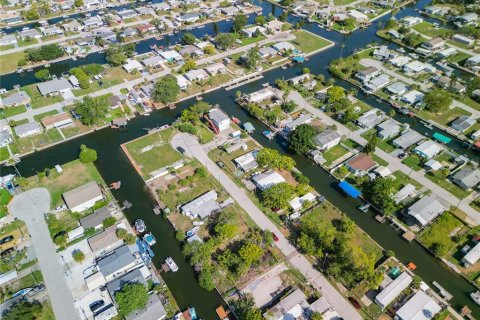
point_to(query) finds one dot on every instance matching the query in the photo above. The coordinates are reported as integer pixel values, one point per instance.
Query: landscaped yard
(439, 179)
(308, 42)
(112, 77)
(333, 154)
(4, 155)
(413, 162)
(439, 231)
(404, 179)
(40, 116)
(153, 152)
(74, 174)
(38, 100)
(11, 111)
(430, 30)
(445, 117)
(4, 200)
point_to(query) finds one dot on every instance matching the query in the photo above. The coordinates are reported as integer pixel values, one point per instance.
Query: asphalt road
(30, 206)
(336, 300)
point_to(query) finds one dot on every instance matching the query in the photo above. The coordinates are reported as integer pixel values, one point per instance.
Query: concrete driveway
(30, 206)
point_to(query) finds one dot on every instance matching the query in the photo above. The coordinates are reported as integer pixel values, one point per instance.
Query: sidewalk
(338, 302)
(473, 217)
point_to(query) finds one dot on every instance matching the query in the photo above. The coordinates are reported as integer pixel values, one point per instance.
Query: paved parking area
(31, 206)
(264, 287)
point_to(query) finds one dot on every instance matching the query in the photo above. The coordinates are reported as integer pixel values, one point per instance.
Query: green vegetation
(116, 54)
(9, 62)
(430, 30)
(92, 110)
(301, 139)
(273, 159)
(131, 297)
(87, 155)
(166, 89)
(47, 52)
(40, 116)
(38, 100)
(308, 42)
(438, 233)
(12, 111)
(333, 154)
(413, 161)
(444, 117)
(440, 179)
(437, 100)
(24, 310)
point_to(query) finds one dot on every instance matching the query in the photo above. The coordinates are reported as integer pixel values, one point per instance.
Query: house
(468, 18)
(85, 41)
(425, 210)
(267, 179)
(51, 31)
(377, 83)
(412, 97)
(434, 10)
(27, 129)
(466, 178)
(196, 75)
(370, 119)
(5, 137)
(251, 31)
(297, 203)
(414, 67)
(162, 6)
(361, 164)
(115, 102)
(327, 139)
(95, 220)
(290, 307)
(283, 46)
(393, 290)
(394, 34)
(188, 18)
(411, 21)
(419, 307)
(127, 14)
(432, 165)
(53, 87)
(267, 52)
(293, 124)
(8, 276)
(8, 40)
(229, 11)
(95, 281)
(433, 44)
(12, 19)
(462, 123)
(116, 263)
(171, 56)
(463, 39)
(107, 35)
(472, 256)
(382, 53)
(388, 129)
(145, 28)
(145, 10)
(83, 197)
(132, 65)
(407, 139)
(219, 119)
(247, 162)
(201, 207)
(400, 61)
(274, 25)
(445, 53)
(216, 68)
(29, 34)
(473, 61)
(407, 191)
(299, 79)
(152, 62)
(397, 88)
(358, 16)
(191, 50)
(57, 121)
(154, 310)
(104, 241)
(128, 32)
(261, 95)
(75, 233)
(428, 149)
(93, 22)
(182, 82)
(134, 276)
(367, 74)
(17, 98)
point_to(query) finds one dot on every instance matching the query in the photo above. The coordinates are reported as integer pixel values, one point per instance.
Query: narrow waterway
(113, 166)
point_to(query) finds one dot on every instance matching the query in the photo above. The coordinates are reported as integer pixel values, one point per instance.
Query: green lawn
(153, 152)
(403, 179)
(440, 180)
(38, 100)
(430, 30)
(333, 154)
(413, 161)
(458, 57)
(70, 131)
(445, 117)
(379, 160)
(204, 134)
(11, 111)
(342, 2)
(9, 62)
(438, 232)
(308, 42)
(4, 155)
(40, 116)
(54, 135)
(7, 47)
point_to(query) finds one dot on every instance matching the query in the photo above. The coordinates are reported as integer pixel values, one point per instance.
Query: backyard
(38, 100)
(308, 42)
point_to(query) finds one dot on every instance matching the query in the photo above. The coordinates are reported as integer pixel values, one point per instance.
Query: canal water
(113, 165)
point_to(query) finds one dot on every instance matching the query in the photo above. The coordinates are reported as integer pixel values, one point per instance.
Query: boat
(30, 69)
(193, 313)
(235, 120)
(268, 134)
(171, 264)
(475, 296)
(115, 185)
(145, 252)
(198, 223)
(149, 239)
(158, 38)
(146, 114)
(192, 231)
(364, 207)
(140, 225)
(19, 70)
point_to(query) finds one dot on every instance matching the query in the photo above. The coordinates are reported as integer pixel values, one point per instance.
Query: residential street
(30, 206)
(338, 302)
(473, 217)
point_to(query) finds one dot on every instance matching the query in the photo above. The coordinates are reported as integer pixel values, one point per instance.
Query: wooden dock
(242, 80)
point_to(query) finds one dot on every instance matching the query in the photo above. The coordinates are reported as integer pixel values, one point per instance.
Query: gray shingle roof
(53, 86)
(120, 258)
(95, 219)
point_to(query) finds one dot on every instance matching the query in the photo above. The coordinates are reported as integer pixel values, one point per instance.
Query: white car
(61, 208)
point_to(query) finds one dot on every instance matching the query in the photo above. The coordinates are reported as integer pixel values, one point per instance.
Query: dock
(242, 80)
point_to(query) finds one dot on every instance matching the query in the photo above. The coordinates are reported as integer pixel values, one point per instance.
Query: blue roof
(349, 189)
(440, 137)
(298, 59)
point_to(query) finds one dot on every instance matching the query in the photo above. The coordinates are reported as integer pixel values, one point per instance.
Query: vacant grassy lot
(308, 42)
(38, 100)
(404, 179)
(439, 231)
(430, 30)
(153, 151)
(40, 116)
(74, 174)
(112, 77)
(11, 111)
(445, 117)
(4, 155)
(9, 62)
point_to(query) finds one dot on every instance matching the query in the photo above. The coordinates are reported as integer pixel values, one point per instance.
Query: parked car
(355, 303)
(7, 252)
(401, 155)
(6, 239)
(181, 150)
(61, 208)
(275, 237)
(94, 306)
(220, 164)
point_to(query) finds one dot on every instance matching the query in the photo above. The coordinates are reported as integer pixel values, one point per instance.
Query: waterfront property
(83, 197)
(424, 211)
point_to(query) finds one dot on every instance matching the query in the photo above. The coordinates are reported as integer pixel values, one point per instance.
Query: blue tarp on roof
(349, 189)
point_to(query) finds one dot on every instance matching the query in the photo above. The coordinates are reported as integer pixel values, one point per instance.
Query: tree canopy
(87, 154)
(166, 89)
(437, 100)
(301, 139)
(46, 52)
(42, 74)
(117, 54)
(277, 196)
(239, 21)
(381, 192)
(24, 310)
(188, 38)
(271, 158)
(245, 308)
(131, 297)
(225, 40)
(92, 110)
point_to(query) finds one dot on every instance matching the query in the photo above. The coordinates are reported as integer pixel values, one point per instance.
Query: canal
(113, 165)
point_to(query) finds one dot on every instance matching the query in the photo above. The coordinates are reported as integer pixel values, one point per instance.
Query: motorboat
(193, 313)
(149, 239)
(171, 264)
(475, 296)
(140, 226)
(192, 231)
(364, 207)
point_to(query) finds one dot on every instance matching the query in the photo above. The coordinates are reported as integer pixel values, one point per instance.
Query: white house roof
(82, 194)
(326, 137)
(203, 206)
(415, 66)
(406, 191)
(397, 88)
(408, 139)
(218, 115)
(413, 96)
(419, 307)
(55, 85)
(267, 179)
(27, 127)
(171, 55)
(152, 61)
(391, 291)
(426, 209)
(182, 81)
(297, 202)
(15, 98)
(473, 255)
(261, 95)
(248, 161)
(428, 148)
(132, 64)
(283, 45)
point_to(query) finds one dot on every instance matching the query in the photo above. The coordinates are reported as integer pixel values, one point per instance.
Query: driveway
(30, 206)
(337, 301)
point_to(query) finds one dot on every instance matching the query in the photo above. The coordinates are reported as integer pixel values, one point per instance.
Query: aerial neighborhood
(241, 160)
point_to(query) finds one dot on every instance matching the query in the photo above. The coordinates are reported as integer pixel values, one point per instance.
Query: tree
(42, 75)
(126, 236)
(205, 279)
(31, 14)
(437, 100)
(250, 253)
(24, 310)
(118, 54)
(92, 69)
(92, 110)
(226, 231)
(301, 139)
(307, 244)
(335, 94)
(78, 3)
(316, 316)
(349, 115)
(239, 21)
(47, 52)
(188, 38)
(22, 63)
(284, 16)
(82, 77)
(277, 196)
(371, 144)
(305, 71)
(245, 308)
(87, 155)
(209, 49)
(271, 158)
(224, 40)
(439, 249)
(188, 65)
(131, 297)
(260, 20)
(252, 58)
(108, 222)
(78, 256)
(166, 89)
(381, 192)
(116, 59)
